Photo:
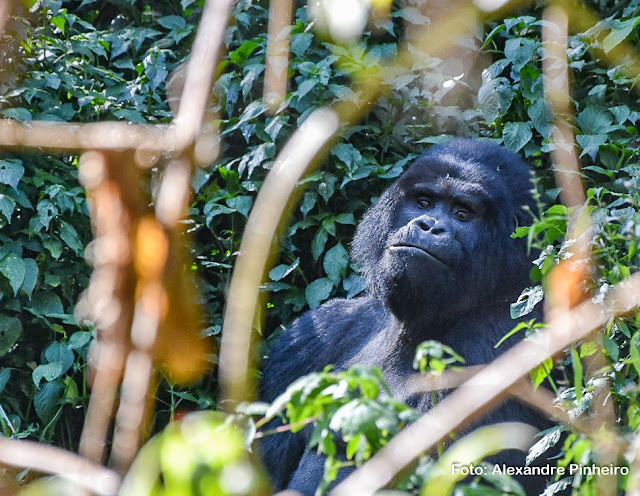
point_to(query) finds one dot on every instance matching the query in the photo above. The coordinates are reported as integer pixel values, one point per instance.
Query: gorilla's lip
(418, 247)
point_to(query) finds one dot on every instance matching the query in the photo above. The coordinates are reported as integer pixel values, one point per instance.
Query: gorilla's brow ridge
(446, 184)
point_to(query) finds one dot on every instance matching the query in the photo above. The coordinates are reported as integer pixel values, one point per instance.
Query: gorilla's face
(440, 222)
(437, 244)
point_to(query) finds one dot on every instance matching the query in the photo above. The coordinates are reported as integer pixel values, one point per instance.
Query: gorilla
(439, 263)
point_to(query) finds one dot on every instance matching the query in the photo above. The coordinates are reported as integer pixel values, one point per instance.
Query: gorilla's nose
(428, 223)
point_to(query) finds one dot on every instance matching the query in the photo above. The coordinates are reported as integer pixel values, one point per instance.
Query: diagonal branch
(486, 388)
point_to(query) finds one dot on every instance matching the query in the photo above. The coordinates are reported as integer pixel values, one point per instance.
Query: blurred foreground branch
(50, 460)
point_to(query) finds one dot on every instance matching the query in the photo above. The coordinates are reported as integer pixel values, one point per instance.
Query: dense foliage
(85, 60)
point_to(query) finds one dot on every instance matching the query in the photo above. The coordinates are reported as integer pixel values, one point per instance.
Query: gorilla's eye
(462, 215)
(424, 202)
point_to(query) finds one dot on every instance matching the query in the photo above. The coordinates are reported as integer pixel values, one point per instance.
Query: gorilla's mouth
(413, 247)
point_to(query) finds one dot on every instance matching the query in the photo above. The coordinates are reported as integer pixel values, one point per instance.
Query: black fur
(458, 291)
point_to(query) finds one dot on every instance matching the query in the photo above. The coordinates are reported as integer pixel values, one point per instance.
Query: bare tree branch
(47, 459)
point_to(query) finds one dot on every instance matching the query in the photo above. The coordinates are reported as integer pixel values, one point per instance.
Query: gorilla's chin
(418, 286)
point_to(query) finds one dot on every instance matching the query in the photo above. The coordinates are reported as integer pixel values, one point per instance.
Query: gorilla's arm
(326, 335)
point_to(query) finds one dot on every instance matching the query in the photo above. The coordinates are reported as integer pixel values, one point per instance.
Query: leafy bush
(88, 60)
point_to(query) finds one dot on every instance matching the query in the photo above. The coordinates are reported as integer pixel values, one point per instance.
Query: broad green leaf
(620, 31)
(7, 206)
(519, 51)
(11, 171)
(305, 87)
(595, 120)
(60, 22)
(69, 235)
(495, 97)
(18, 113)
(318, 243)
(241, 204)
(47, 303)
(48, 372)
(348, 154)
(10, 331)
(46, 400)
(283, 270)
(30, 276)
(516, 135)
(540, 117)
(155, 67)
(59, 352)
(13, 268)
(526, 302)
(172, 22)
(335, 262)
(54, 247)
(79, 339)
(5, 374)
(318, 291)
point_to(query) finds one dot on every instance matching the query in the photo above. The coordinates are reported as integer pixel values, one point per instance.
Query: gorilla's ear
(515, 223)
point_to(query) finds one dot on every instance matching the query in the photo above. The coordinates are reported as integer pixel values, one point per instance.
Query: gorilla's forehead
(452, 172)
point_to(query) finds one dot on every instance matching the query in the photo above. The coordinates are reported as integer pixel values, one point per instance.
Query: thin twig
(205, 54)
(276, 72)
(92, 136)
(50, 460)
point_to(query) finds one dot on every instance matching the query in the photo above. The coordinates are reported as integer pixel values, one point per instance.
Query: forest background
(87, 61)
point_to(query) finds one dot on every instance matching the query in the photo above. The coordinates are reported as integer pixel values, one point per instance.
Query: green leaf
(527, 301)
(348, 154)
(46, 211)
(281, 271)
(47, 303)
(11, 171)
(79, 340)
(336, 261)
(540, 117)
(69, 235)
(46, 400)
(318, 243)
(305, 87)
(241, 204)
(595, 120)
(30, 276)
(10, 331)
(54, 247)
(155, 67)
(59, 22)
(13, 268)
(48, 372)
(516, 135)
(495, 97)
(541, 372)
(318, 291)
(620, 32)
(59, 352)
(20, 114)
(5, 374)
(7, 206)
(172, 22)
(243, 52)
(519, 51)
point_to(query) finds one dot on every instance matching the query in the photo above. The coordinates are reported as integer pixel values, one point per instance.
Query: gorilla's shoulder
(319, 337)
(338, 316)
